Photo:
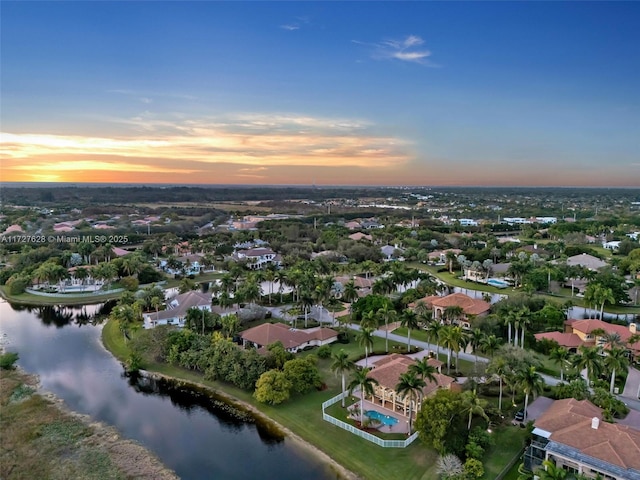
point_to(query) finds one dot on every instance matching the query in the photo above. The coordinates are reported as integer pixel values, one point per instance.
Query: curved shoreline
(336, 467)
(130, 458)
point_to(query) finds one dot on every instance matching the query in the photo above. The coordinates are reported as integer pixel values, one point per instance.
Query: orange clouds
(190, 148)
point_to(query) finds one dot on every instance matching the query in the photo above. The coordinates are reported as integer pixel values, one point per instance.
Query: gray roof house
(177, 309)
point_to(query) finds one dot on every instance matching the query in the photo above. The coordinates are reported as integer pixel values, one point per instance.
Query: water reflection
(193, 434)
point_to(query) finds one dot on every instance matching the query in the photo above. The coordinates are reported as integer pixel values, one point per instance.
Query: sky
(324, 93)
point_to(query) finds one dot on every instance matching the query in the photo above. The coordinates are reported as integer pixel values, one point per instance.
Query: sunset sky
(331, 93)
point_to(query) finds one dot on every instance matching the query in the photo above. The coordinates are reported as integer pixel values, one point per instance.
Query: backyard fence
(73, 293)
(360, 433)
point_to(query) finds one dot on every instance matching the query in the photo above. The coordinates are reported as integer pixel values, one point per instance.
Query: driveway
(632, 387)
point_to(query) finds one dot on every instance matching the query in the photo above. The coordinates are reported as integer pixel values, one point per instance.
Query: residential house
(387, 371)
(440, 256)
(580, 333)
(613, 245)
(177, 308)
(572, 434)
(391, 252)
(353, 225)
(471, 307)
(586, 261)
(292, 339)
(360, 236)
(257, 258)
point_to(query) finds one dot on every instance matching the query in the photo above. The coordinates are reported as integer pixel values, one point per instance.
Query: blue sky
(415, 93)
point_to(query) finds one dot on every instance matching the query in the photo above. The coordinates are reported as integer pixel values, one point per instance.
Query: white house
(177, 309)
(257, 258)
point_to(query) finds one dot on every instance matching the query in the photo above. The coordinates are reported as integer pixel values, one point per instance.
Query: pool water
(497, 283)
(384, 419)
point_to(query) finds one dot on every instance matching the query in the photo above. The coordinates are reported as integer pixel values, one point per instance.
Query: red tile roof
(567, 340)
(269, 333)
(570, 423)
(387, 372)
(471, 306)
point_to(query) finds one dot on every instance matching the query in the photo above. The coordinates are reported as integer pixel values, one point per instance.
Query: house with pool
(387, 371)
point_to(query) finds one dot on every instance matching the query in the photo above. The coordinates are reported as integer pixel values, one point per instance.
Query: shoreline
(129, 457)
(308, 447)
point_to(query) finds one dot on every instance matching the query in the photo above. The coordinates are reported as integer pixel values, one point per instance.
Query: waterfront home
(292, 339)
(387, 372)
(177, 308)
(572, 435)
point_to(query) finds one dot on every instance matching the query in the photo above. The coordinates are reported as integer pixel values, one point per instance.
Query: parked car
(519, 417)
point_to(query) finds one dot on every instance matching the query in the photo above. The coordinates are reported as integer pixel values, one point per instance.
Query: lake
(191, 434)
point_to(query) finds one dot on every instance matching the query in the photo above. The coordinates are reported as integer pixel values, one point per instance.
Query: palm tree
(453, 313)
(474, 405)
(560, 355)
(500, 368)
(341, 365)
(551, 471)
(451, 340)
(366, 384)
(409, 320)
(589, 358)
(411, 386)
(616, 359)
(350, 293)
(433, 335)
(604, 295)
(365, 339)
(424, 370)
(476, 336)
(531, 383)
(490, 344)
(388, 313)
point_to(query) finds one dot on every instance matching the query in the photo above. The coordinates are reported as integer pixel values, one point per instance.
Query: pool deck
(403, 422)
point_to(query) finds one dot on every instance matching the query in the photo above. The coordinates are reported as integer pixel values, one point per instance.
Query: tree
(433, 335)
(531, 383)
(272, 387)
(366, 385)
(560, 355)
(589, 358)
(364, 338)
(388, 313)
(128, 318)
(424, 370)
(302, 373)
(342, 365)
(230, 325)
(409, 320)
(490, 344)
(474, 405)
(411, 385)
(476, 336)
(436, 421)
(449, 467)
(551, 471)
(500, 368)
(473, 468)
(616, 359)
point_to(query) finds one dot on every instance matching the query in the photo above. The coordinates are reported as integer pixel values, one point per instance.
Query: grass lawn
(62, 299)
(509, 441)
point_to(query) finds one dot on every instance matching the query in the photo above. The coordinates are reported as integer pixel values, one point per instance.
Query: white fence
(74, 294)
(362, 434)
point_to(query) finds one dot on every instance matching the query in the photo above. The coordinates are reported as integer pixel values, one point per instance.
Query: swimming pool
(494, 282)
(384, 419)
